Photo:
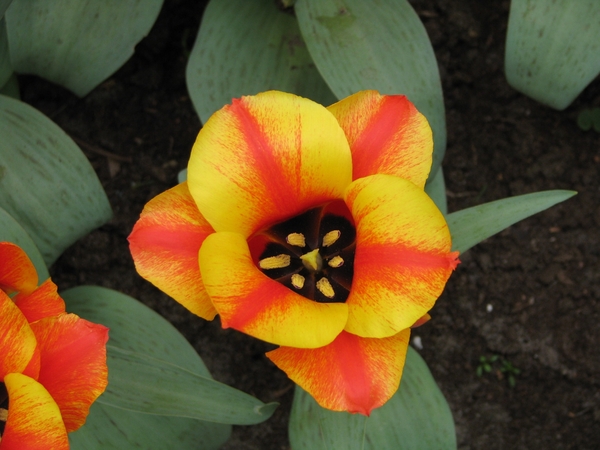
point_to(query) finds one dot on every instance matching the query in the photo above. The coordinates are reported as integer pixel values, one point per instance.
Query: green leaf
(11, 88)
(417, 417)
(144, 347)
(472, 225)
(245, 47)
(358, 46)
(585, 119)
(135, 327)
(143, 384)
(436, 189)
(76, 43)
(11, 231)
(552, 48)
(46, 182)
(589, 118)
(5, 66)
(113, 428)
(4, 4)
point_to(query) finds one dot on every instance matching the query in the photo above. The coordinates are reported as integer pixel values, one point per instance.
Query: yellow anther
(324, 286)
(275, 262)
(312, 260)
(296, 239)
(336, 261)
(331, 237)
(298, 281)
(3, 415)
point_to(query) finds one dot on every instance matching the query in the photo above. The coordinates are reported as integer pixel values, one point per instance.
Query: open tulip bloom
(309, 228)
(52, 364)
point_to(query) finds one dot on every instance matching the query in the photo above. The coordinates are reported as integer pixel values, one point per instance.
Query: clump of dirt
(529, 295)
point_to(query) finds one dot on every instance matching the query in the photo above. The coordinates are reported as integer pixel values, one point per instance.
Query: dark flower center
(311, 254)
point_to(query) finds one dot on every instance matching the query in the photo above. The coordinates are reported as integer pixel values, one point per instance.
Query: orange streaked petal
(387, 135)
(34, 420)
(73, 364)
(266, 158)
(351, 374)
(17, 341)
(253, 303)
(402, 259)
(17, 272)
(42, 302)
(422, 321)
(165, 243)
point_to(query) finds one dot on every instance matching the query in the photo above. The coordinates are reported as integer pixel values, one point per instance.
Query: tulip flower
(52, 364)
(309, 228)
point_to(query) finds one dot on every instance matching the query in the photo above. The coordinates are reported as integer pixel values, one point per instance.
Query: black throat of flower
(311, 254)
(3, 408)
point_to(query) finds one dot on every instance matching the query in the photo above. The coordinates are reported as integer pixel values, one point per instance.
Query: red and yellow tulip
(307, 227)
(52, 364)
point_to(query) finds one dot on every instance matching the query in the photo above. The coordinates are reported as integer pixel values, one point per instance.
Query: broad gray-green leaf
(46, 182)
(380, 45)
(4, 4)
(245, 47)
(436, 189)
(76, 43)
(113, 428)
(11, 88)
(552, 48)
(11, 231)
(417, 417)
(135, 327)
(140, 383)
(472, 225)
(5, 66)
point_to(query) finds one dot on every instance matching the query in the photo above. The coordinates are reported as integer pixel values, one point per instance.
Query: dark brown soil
(530, 294)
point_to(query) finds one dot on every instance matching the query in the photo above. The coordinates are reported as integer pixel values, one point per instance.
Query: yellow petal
(164, 244)
(351, 374)
(73, 364)
(17, 341)
(387, 135)
(253, 303)
(34, 420)
(267, 158)
(402, 259)
(17, 272)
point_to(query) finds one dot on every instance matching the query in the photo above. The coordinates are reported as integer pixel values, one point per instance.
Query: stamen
(296, 239)
(324, 286)
(275, 262)
(312, 260)
(331, 237)
(336, 261)
(298, 281)
(3, 415)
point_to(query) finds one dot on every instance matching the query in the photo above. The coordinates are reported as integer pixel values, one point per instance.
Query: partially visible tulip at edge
(52, 364)
(307, 227)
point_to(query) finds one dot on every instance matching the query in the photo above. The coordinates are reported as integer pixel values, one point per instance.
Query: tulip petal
(402, 259)
(266, 158)
(17, 341)
(43, 302)
(17, 272)
(351, 374)
(73, 364)
(253, 303)
(34, 420)
(165, 243)
(387, 135)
